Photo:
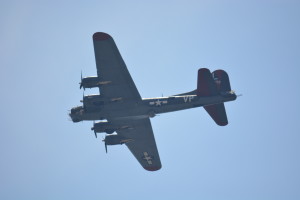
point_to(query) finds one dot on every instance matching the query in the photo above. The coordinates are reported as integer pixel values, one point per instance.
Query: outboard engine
(90, 82)
(114, 140)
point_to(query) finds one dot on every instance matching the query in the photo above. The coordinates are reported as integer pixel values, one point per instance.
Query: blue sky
(45, 45)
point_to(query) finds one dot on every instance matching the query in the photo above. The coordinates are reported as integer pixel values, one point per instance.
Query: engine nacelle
(90, 82)
(116, 139)
(93, 100)
(104, 127)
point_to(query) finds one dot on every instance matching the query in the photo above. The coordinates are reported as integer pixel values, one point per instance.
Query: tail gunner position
(120, 108)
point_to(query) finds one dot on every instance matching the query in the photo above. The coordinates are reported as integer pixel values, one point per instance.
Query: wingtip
(101, 36)
(154, 168)
(222, 123)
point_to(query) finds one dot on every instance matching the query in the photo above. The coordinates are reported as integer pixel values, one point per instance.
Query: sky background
(45, 44)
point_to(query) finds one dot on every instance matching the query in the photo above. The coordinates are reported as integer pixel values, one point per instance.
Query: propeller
(81, 81)
(105, 145)
(94, 129)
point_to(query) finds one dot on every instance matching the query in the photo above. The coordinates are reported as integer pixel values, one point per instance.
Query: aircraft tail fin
(206, 85)
(210, 84)
(222, 81)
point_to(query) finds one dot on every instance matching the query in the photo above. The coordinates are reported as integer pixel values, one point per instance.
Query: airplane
(125, 116)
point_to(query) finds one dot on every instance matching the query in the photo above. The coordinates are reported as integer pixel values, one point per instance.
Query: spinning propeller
(94, 129)
(81, 81)
(105, 145)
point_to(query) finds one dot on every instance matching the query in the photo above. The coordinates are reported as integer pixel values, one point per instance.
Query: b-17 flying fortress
(125, 116)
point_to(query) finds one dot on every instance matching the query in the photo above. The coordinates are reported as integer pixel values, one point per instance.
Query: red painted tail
(211, 84)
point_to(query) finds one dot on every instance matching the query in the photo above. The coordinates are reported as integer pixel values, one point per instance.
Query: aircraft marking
(188, 98)
(158, 102)
(218, 82)
(148, 158)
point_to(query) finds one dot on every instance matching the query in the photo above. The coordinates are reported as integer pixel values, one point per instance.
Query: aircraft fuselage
(148, 107)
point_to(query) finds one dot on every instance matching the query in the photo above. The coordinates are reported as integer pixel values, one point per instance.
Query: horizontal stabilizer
(217, 113)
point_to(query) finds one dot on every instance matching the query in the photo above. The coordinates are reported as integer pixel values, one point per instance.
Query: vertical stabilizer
(222, 81)
(206, 85)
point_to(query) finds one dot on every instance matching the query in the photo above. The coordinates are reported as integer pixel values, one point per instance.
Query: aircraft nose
(70, 115)
(74, 118)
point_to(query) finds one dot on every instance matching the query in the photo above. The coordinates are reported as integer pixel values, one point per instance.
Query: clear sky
(45, 44)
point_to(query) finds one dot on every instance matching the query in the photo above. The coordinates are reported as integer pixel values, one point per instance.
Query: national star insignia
(158, 102)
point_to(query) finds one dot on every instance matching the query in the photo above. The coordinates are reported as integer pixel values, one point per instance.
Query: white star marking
(158, 102)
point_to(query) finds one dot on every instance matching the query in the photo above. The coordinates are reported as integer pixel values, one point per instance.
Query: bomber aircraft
(125, 116)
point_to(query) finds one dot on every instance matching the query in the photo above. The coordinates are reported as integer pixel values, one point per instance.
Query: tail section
(210, 84)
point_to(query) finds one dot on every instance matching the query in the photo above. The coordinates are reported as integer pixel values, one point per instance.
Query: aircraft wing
(142, 144)
(116, 82)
